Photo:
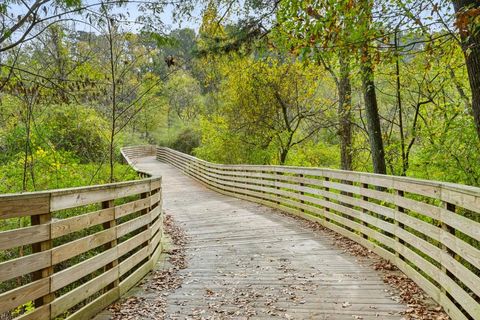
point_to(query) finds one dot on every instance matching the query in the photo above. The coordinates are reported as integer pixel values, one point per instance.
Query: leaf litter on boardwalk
(166, 281)
(161, 282)
(419, 305)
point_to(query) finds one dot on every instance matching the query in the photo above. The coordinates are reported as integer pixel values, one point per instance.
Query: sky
(131, 8)
(166, 16)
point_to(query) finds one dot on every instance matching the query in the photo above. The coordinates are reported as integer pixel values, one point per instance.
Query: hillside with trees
(379, 86)
(390, 87)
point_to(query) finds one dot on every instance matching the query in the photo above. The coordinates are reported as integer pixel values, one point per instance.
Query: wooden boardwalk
(247, 261)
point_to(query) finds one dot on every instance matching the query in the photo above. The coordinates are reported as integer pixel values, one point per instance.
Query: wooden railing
(131, 154)
(429, 229)
(107, 239)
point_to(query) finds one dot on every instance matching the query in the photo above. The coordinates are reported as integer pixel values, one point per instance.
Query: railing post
(365, 198)
(446, 228)
(277, 187)
(40, 247)
(145, 211)
(262, 179)
(399, 225)
(301, 192)
(244, 175)
(107, 225)
(327, 189)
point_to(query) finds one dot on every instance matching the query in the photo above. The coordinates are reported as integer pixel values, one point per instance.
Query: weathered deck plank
(248, 261)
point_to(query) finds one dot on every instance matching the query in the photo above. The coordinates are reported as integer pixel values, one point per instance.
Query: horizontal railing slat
(82, 245)
(23, 236)
(82, 269)
(131, 207)
(132, 225)
(65, 226)
(77, 295)
(24, 294)
(92, 308)
(133, 242)
(24, 265)
(132, 261)
(24, 205)
(84, 197)
(40, 313)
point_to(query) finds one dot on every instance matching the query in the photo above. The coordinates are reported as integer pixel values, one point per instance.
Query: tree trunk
(286, 148)
(345, 112)
(60, 60)
(283, 156)
(399, 105)
(371, 110)
(27, 147)
(471, 50)
(113, 74)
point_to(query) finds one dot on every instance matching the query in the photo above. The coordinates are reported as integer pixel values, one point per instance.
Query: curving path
(247, 261)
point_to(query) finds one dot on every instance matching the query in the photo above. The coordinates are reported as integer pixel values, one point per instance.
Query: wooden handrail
(76, 266)
(130, 154)
(430, 230)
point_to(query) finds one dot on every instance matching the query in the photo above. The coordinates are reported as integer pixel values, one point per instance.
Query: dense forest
(382, 86)
(386, 86)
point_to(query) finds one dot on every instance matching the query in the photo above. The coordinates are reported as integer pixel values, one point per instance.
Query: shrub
(186, 141)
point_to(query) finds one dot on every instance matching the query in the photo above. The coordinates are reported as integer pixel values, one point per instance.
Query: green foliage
(222, 145)
(182, 93)
(160, 40)
(233, 97)
(450, 153)
(186, 141)
(47, 169)
(264, 113)
(75, 128)
(262, 89)
(24, 309)
(78, 129)
(315, 154)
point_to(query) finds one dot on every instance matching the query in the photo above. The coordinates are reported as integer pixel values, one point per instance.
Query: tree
(127, 87)
(320, 29)
(344, 87)
(183, 94)
(23, 21)
(270, 105)
(368, 88)
(468, 23)
(25, 84)
(465, 16)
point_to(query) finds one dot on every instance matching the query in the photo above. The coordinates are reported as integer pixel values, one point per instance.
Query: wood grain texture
(29, 292)
(82, 292)
(23, 236)
(245, 246)
(24, 265)
(92, 308)
(24, 205)
(41, 313)
(65, 226)
(74, 248)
